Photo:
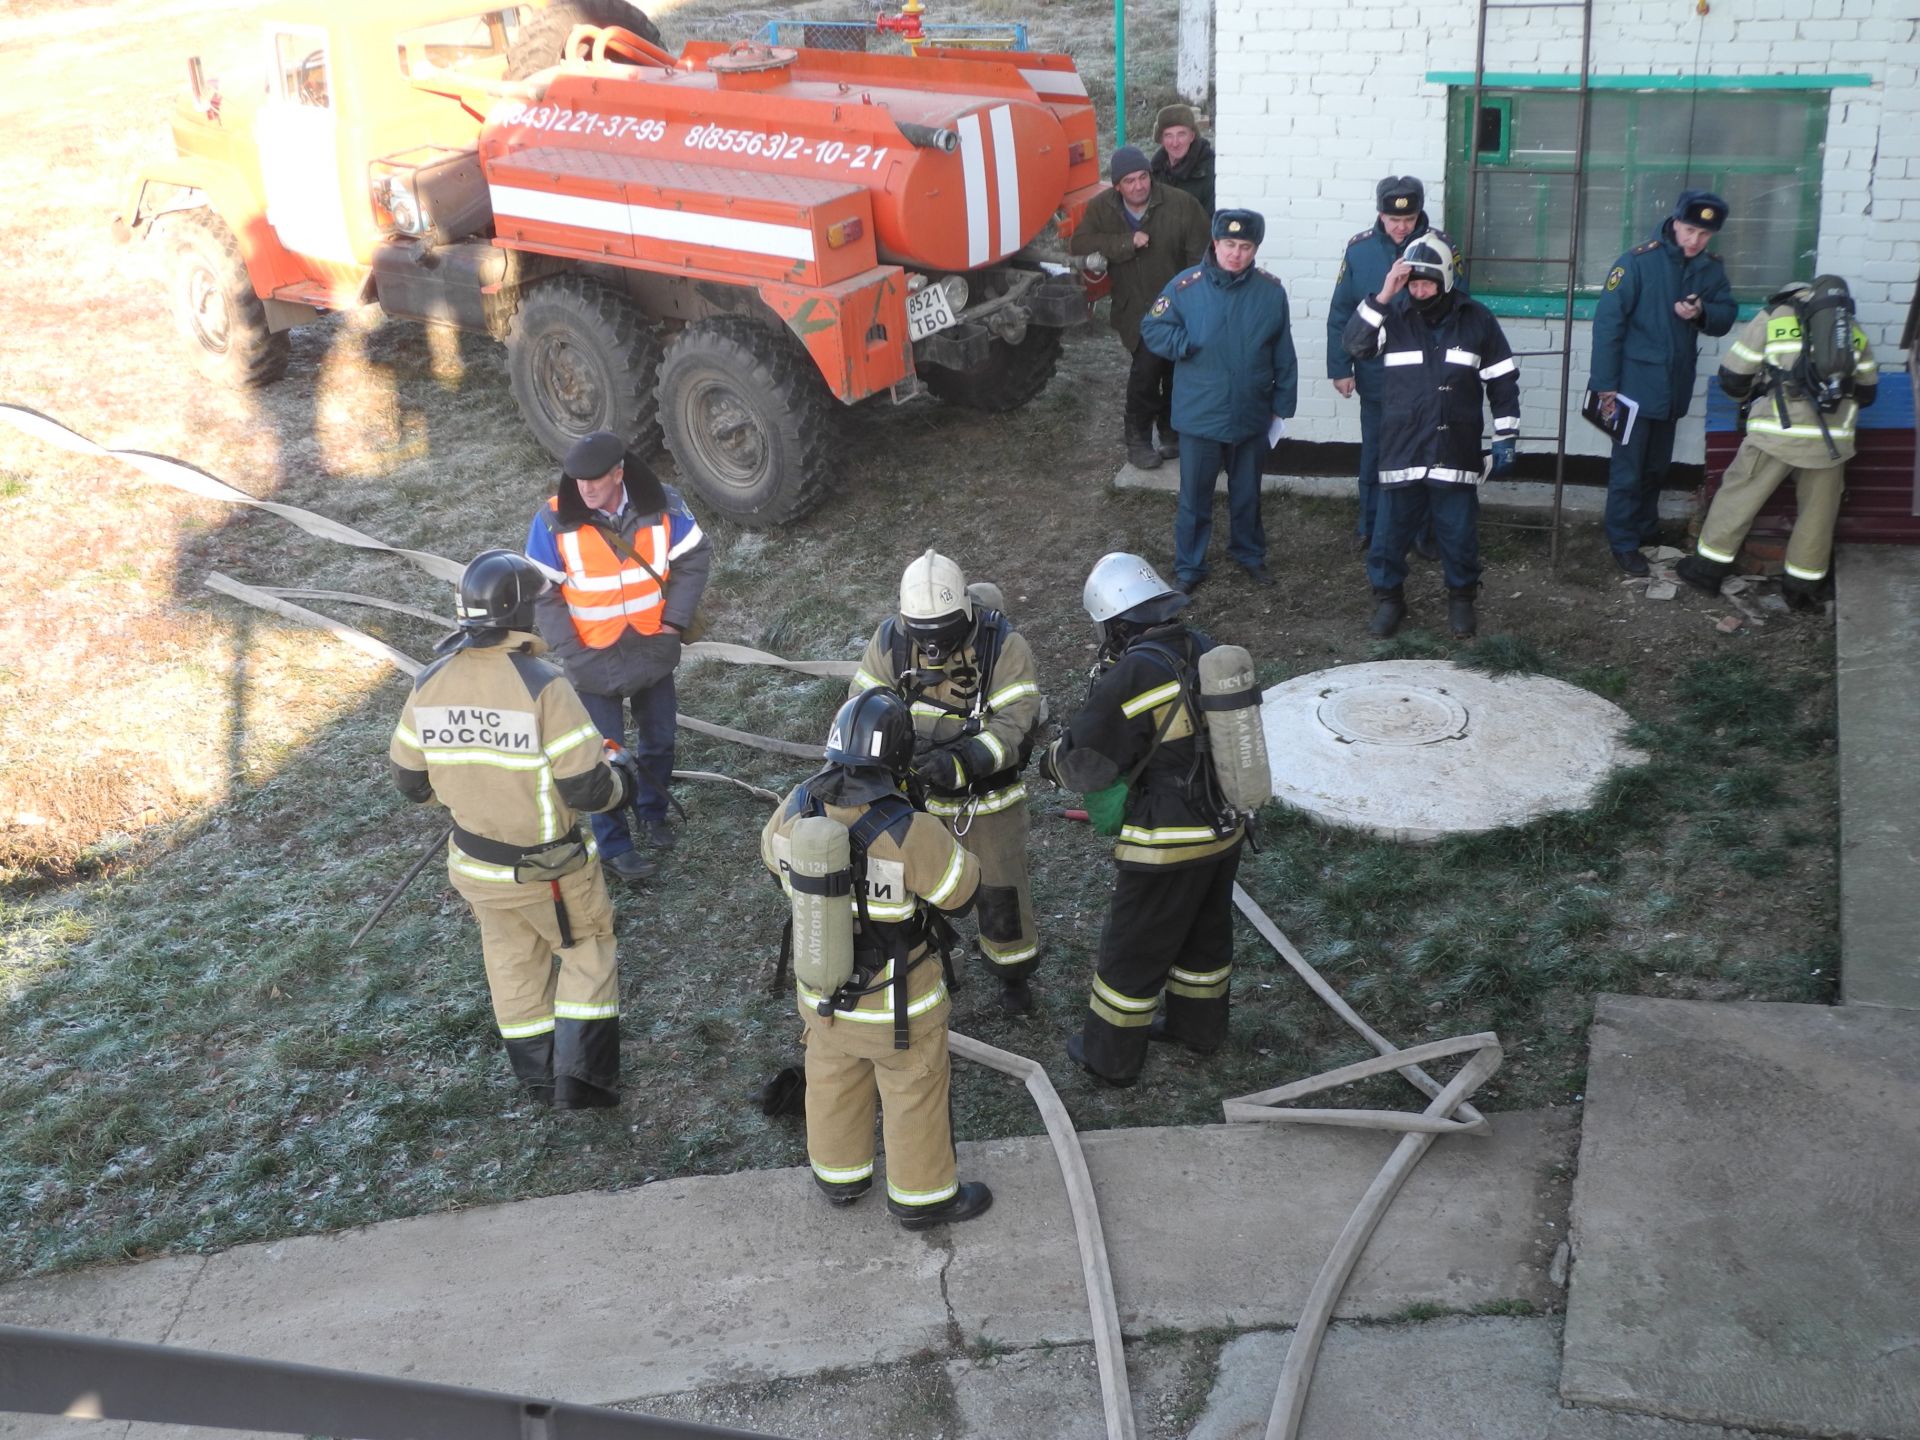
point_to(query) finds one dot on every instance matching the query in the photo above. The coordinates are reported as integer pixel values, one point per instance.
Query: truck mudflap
(855, 330)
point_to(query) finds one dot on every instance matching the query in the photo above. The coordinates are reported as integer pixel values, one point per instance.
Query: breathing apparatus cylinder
(1235, 735)
(820, 875)
(986, 596)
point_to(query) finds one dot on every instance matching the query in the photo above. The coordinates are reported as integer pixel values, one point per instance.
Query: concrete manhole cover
(1391, 715)
(1423, 749)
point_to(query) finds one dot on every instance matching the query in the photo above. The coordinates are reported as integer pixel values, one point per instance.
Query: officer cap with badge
(1702, 208)
(1400, 195)
(1248, 225)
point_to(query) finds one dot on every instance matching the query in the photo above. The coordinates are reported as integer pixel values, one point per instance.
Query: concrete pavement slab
(1229, 1224)
(1878, 667)
(1589, 1424)
(1446, 1379)
(601, 1296)
(123, 1302)
(1745, 1228)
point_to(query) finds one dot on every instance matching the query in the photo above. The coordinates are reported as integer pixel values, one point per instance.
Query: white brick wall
(1318, 99)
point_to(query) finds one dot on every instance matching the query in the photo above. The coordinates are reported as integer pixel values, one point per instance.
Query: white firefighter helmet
(1120, 582)
(932, 588)
(1430, 258)
(935, 608)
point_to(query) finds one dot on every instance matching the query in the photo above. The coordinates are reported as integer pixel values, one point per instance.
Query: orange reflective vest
(607, 594)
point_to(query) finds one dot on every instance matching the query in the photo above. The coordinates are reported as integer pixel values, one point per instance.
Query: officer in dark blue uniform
(1363, 270)
(1659, 298)
(1226, 327)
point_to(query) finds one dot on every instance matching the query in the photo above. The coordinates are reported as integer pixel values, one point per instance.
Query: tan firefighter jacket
(1765, 348)
(913, 863)
(499, 737)
(1008, 713)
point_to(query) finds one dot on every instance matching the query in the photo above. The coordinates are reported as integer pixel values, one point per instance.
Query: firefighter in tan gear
(969, 677)
(1165, 963)
(1800, 423)
(500, 738)
(881, 1032)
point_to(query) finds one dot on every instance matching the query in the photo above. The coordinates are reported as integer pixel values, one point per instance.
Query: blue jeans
(1635, 474)
(1453, 511)
(1200, 462)
(653, 710)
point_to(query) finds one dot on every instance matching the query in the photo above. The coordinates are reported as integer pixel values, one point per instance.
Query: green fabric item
(1107, 808)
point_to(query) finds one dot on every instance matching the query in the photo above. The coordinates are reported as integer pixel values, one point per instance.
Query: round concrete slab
(1423, 749)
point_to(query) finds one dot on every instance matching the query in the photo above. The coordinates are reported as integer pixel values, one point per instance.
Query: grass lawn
(195, 813)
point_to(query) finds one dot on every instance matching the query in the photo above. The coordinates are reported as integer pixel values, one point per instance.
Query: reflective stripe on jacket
(1768, 346)
(1435, 373)
(606, 593)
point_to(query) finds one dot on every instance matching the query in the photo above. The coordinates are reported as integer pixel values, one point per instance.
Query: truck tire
(747, 418)
(215, 307)
(545, 32)
(581, 357)
(1012, 375)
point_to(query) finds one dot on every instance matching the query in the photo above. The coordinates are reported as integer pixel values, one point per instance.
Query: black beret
(1400, 195)
(1239, 225)
(594, 455)
(1702, 208)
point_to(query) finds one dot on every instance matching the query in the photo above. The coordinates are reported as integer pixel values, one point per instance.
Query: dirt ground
(195, 812)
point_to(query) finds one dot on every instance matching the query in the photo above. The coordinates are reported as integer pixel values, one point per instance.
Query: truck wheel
(747, 418)
(544, 34)
(1012, 375)
(215, 307)
(581, 357)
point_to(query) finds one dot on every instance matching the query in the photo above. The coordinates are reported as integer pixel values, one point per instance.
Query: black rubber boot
(1704, 575)
(842, 1195)
(1388, 614)
(1159, 1033)
(1140, 452)
(1460, 617)
(971, 1199)
(1016, 996)
(1804, 594)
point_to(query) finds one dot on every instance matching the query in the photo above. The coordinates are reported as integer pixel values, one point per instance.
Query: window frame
(1815, 100)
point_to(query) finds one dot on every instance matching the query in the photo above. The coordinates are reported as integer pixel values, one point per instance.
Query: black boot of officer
(1460, 616)
(1388, 614)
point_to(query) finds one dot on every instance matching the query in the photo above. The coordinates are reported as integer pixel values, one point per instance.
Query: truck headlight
(957, 292)
(394, 195)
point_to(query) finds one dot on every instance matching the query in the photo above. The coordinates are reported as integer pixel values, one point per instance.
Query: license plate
(928, 312)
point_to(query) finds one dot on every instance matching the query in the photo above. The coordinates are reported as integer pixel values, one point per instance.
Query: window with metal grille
(1760, 151)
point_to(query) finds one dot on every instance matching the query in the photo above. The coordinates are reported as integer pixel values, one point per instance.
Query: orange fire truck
(711, 248)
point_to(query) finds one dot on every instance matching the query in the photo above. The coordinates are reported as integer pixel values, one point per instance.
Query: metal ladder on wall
(1569, 263)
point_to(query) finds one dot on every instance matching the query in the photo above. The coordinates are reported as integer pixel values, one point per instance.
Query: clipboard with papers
(1625, 411)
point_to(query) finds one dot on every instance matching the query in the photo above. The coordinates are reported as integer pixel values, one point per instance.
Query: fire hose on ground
(1448, 1113)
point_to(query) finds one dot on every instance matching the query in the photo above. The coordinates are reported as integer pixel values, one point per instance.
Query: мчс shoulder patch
(1162, 305)
(1615, 276)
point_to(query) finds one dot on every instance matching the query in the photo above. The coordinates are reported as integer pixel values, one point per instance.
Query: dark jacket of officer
(1363, 270)
(1435, 368)
(1170, 811)
(1643, 350)
(1194, 173)
(1232, 342)
(1175, 223)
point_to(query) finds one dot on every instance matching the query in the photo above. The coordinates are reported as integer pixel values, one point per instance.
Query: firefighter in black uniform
(1166, 955)
(1442, 351)
(501, 739)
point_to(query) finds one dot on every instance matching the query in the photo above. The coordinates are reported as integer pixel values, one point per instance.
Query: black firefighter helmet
(872, 738)
(497, 591)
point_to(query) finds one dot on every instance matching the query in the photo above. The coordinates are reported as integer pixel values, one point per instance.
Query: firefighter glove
(941, 768)
(1503, 456)
(626, 765)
